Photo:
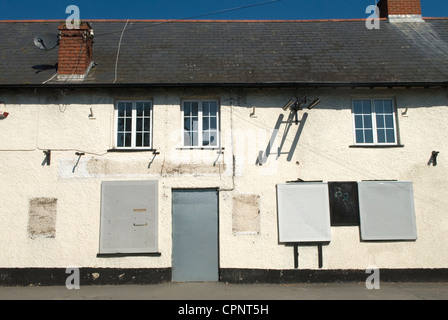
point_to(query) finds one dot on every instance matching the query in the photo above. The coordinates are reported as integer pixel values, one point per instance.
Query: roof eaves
(237, 85)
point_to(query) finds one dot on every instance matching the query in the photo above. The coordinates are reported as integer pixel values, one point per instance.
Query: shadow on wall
(263, 156)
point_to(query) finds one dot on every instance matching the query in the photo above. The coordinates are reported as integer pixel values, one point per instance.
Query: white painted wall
(58, 120)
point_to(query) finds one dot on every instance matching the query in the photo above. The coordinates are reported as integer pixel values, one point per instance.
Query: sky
(201, 9)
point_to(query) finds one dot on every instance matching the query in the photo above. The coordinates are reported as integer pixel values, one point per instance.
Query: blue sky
(202, 9)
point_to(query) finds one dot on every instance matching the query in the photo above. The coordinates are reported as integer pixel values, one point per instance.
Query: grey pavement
(224, 291)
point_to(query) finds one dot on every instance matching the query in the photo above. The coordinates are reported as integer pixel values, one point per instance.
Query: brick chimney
(401, 10)
(75, 52)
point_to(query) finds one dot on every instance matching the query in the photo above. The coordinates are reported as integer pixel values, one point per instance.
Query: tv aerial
(295, 105)
(46, 41)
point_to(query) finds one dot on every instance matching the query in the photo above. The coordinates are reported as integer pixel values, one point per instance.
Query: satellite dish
(46, 41)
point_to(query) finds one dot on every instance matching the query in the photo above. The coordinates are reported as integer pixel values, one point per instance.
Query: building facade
(227, 181)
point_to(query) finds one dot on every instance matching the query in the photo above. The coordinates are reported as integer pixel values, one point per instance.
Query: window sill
(132, 150)
(200, 148)
(377, 146)
(120, 255)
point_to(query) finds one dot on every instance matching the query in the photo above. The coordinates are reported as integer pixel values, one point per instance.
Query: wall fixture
(155, 153)
(295, 105)
(252, 114)
(3, 111)
(433, 159)
(290, 103)
(314, 103)
(79, 154)
(47, 157)
(405, 112)
(91, 115)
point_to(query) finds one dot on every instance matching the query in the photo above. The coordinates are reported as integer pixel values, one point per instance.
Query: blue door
(195, 235)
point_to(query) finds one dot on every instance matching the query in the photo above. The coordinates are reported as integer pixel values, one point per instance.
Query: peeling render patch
(246, 214)
(42, 218)
(98, 168)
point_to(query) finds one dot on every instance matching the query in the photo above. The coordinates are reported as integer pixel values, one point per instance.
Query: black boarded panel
(344, 204)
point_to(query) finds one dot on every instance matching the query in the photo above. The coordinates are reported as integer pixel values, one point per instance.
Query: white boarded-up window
(387, 210)
(129, 212)
(303, 212)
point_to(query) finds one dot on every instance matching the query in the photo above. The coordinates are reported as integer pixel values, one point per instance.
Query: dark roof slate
(246, 53)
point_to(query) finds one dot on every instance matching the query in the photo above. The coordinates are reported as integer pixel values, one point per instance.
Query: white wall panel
(303, 212)
(387, 210)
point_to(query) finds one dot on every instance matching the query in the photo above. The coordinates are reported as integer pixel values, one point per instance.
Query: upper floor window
(200, 120)
(374, 122)
(133, 125)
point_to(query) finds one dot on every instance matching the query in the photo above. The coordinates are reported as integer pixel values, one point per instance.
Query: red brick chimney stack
(75, 52)
(401, 10)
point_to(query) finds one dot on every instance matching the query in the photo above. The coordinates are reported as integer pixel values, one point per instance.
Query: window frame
(373, 115)
(133, 125)
(200, 124)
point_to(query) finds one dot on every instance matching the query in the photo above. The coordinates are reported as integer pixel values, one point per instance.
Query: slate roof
(238, 53)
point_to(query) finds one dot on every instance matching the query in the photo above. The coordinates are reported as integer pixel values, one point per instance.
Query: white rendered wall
(59, 120)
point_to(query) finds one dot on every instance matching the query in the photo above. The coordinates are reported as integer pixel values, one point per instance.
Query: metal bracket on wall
(79, 154)
(296, 255)
(47, 157)
(433, 159)
(155, 153)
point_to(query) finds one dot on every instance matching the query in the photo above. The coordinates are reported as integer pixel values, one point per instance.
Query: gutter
(295, 85)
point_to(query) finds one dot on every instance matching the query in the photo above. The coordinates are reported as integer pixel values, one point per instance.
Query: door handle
(140, 225)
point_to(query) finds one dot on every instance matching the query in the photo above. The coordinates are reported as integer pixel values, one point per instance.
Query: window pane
(213, 108)
(213, 123)
(388, 106)
(127, 140)
(368, 122)
(120, 140)
(187, 124)
(195, 123)
(194, 108)
(358, 122)
(194, 139)
(359, 136)
(390, 135)
(120, 124)
(368, 136)
(205, 108)
(139, 109)
(146, 140)
(205, 123)
(191, 139)
(187, 109)
(381, 136)
(389, 121)
(380, 121)
(146, 125)
(213, 138)
(205, 139)
(147, 109)
(139, 140)
(187, 139)
(128, 126)
(366, 107)
(357, 106)
(128, 112)
(140, 124)
(121, 109)
(379, 106)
